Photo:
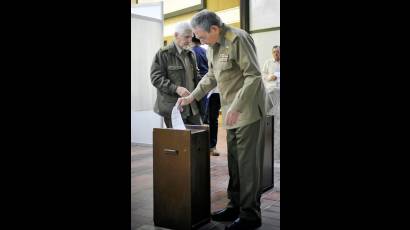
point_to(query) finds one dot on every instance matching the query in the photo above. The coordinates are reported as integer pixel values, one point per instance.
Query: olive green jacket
(234, 68)
(167, 73)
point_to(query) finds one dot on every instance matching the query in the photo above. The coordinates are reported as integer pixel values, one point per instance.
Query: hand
(273, 77)
(184, 101)
(182, 92)
(232, 117)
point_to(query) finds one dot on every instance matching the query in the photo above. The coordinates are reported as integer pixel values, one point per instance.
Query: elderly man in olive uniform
(233, 67)
(174, 73)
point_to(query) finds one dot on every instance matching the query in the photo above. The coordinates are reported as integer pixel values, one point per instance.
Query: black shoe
(213, 152)
(227, 214)
(242, 224)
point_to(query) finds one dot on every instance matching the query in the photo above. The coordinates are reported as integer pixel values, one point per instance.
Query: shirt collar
(221, 39)
(179, 49)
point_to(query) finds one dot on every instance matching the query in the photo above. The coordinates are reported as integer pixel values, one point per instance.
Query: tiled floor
(142, 189)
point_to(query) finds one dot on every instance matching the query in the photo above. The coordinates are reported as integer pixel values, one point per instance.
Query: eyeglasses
(201, 37)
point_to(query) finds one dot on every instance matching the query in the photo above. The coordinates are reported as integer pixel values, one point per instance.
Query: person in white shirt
(271, 70)
(271, 80)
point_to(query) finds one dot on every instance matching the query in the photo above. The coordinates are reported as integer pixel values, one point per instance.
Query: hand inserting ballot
(182, 92)
(184, 101)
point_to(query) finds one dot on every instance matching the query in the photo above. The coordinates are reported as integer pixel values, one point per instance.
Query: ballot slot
(171, 151)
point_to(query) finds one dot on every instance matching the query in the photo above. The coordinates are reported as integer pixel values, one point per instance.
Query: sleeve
(265, 70)
(207, 83)
(159, 76)
(248, 63)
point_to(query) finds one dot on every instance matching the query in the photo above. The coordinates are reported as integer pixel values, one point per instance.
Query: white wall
(264, 14)
(264, 42)
(146, 40)
(142, 124)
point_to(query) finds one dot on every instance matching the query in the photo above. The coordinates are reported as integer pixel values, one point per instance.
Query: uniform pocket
(175, 74)
(226, 72)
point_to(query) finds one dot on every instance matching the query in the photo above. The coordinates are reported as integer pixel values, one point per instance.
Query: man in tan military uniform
(233, 67)
(174, 73)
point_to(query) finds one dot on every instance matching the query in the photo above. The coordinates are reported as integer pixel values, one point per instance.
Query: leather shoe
(227, 214)
(213, 152)
(242, 224)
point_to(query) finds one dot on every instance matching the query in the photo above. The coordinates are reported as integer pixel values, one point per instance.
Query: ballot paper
(176, 119)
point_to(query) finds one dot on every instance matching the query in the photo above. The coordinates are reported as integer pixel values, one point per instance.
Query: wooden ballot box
(267, 174)
(182, 198)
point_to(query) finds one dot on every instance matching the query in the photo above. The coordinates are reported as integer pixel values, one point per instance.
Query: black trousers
(214, 105)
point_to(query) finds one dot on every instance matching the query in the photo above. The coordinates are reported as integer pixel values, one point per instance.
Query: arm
(265, 71)
(276, 75)
(159, 76)
(247, 61)
(207, 83)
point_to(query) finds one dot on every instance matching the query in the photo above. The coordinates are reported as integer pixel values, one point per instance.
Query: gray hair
(205, 19)
(183, 27)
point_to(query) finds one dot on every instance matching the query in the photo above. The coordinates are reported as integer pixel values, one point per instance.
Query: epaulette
(230, 36)
(165, 48)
